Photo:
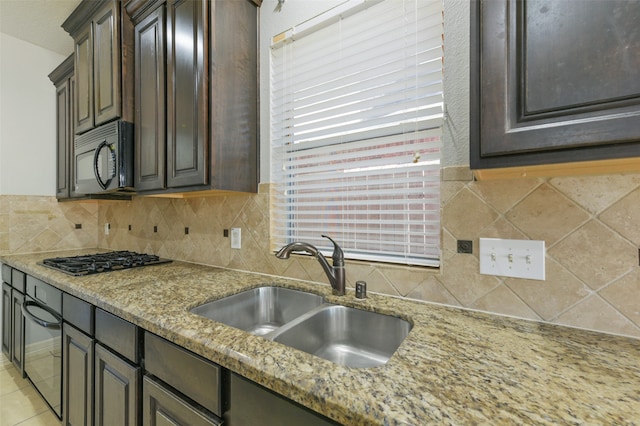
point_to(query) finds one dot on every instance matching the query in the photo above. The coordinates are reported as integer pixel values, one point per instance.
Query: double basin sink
(301, 320)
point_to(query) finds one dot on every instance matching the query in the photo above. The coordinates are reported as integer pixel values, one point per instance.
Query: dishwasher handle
(44, 323)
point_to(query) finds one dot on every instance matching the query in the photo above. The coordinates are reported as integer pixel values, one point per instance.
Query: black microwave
(103, 159)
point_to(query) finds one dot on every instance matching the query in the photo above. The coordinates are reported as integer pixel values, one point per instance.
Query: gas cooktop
(102, 262)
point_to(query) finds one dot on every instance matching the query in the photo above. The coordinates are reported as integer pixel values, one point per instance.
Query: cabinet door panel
(150, 71)
(187, 136)
(554, 81)
(162, 407)
(17, 334)
(84, 81)
(6, 319)
(117, 391)
(106, 65)
(63, 138)
(77, 377)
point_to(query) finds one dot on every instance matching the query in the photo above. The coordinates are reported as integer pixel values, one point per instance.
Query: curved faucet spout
(334, 273)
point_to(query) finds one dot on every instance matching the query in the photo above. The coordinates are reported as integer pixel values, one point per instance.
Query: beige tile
(431, 290)
(456, 173)
(595, 314)
(596, 193)
(378, 283)
(21, 405)
(624, 295)
(405, 279)
(461, 277)
(624, 216)
(504, 194)
(466, 215)
(10, 378)
(552, 296)
(546, 215)
(595, 254)
(503, 301)
(46, 418)
(448, 190)
(449, 246)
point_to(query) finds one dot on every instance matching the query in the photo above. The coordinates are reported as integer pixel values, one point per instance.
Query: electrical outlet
(512, 258)
(465, 246)
(106, 229)
(236, 238)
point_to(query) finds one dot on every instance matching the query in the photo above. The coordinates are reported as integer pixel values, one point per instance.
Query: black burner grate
(102, 262)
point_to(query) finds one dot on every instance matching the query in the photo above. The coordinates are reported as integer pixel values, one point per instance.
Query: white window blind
(356, 115)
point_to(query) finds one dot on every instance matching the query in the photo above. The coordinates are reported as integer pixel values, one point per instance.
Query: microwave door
(85, 180)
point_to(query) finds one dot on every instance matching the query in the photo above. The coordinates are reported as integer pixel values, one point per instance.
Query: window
(356, 115)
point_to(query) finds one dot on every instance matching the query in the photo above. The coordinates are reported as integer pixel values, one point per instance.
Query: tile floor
(20, 403)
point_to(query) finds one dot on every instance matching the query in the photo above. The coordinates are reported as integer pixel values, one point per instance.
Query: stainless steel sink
(260, 310)
(346, 336)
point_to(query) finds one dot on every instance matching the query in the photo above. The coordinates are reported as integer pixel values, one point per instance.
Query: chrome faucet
(335, 273)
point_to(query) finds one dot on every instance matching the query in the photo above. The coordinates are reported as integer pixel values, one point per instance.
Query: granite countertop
(455, 367)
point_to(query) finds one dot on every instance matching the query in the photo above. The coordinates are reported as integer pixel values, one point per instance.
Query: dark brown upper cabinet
(196, 95)
(554, 81)
(62, 78)
(103, 63)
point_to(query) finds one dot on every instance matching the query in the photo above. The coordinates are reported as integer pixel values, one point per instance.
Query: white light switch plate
(512, 258)
(236, 238)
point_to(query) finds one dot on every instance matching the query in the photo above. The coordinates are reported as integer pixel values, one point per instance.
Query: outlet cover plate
(512, 258)
(236, 238)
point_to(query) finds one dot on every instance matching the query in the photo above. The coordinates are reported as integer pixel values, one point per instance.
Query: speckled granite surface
(455, 367)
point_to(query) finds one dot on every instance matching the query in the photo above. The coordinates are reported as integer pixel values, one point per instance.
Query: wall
(27, 118)
(588, 223)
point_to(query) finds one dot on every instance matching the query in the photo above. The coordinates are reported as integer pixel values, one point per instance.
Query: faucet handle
(338, 254)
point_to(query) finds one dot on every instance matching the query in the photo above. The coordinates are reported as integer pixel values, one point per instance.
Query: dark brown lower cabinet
(77, 383)
(251, 404)
(162, 407)
(117, 389)
(12, 325)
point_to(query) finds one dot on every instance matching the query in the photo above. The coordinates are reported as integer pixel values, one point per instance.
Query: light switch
(512, 258)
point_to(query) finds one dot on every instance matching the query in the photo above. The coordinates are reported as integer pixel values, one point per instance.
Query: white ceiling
(38, 22)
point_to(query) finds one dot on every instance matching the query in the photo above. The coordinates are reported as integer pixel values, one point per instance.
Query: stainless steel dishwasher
(43, 340)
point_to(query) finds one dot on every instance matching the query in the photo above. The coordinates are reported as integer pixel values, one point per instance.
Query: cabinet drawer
(18, 280)
(118, 334)
(190, 374)
(42, 292)
(6, 273)
(78, 312)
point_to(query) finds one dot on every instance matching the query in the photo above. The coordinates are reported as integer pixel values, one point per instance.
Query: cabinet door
(251, 404)
(63, 138)
(106, 64)
(83, 108)
(162, 407)
(6, 319)
(77, 377)
(17, 332)
(117, 390)
(187, 82)
(554, 81)
(150, 103)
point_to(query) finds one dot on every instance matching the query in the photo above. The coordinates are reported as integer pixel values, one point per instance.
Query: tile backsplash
(590, 224)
